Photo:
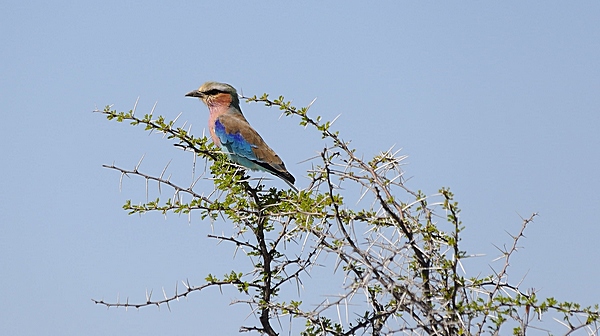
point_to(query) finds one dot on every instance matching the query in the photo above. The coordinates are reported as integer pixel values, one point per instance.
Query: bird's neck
(217, 106)
(222, 103)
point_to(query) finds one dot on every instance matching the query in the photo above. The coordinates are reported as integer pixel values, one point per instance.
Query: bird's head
(216, 94)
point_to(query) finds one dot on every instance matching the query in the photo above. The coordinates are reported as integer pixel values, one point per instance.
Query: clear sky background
(498, 100)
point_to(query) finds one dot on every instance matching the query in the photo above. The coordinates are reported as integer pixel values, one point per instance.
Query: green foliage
(399, 255)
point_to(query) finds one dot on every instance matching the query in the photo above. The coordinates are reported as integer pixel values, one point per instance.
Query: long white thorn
(310, 104)
(162, 174)
(334, 119)
(179, 115)
(139, 163)
(135, 106)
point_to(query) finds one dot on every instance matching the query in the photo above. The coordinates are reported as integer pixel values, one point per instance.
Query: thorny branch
(400, 271)
(175, 297)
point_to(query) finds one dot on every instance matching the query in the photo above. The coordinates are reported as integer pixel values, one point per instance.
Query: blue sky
(497, 100)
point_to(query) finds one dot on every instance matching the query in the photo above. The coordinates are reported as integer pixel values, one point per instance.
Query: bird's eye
(212, 92)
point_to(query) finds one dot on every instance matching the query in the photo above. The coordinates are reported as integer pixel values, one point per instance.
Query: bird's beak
(195, 93)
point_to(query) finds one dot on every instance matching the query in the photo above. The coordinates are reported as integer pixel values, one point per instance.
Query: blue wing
(246, 147)
(234, 143)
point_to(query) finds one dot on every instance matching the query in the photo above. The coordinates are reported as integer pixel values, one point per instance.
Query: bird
(231, 132)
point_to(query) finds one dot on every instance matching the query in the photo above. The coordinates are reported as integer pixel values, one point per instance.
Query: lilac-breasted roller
(231, 132)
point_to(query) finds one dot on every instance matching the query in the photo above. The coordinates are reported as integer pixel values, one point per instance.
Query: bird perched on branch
(233, 134)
